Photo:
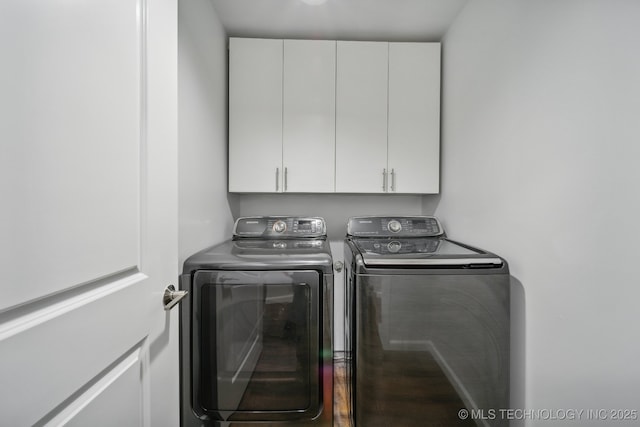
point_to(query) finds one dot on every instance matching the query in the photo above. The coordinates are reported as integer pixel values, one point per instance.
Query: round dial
(394, 247)
(394, 226)
(279, 226)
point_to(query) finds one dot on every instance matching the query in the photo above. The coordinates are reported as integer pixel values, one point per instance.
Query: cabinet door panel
(361, 116)
(309, 115)
(255, 114)
(414, 117)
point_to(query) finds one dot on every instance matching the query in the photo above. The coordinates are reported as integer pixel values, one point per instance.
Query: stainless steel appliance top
(269, 243)
(279, 227)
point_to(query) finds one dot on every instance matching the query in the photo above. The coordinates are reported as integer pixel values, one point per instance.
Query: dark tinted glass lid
(421, 252)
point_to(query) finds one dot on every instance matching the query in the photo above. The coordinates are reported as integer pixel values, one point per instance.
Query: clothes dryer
(256, 332)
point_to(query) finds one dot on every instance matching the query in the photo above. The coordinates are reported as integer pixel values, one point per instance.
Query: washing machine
(256, 330)
(427, 326)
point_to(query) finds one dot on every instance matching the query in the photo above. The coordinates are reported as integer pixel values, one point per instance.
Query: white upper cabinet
(361, 117)
(318, 116)
(414, 117)
(308, 140)
(255, 115)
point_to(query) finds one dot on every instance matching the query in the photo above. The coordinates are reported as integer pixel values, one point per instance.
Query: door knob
(172, 297)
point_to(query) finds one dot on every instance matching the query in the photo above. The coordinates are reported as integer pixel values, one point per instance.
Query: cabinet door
(414, 117)
(309, 115)
(361, 116)
(255, 115)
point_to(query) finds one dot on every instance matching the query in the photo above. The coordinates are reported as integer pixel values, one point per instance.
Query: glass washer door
(256, 338)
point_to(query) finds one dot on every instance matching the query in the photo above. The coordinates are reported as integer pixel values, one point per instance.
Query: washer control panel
(389, 226)
(386, 246)
(279, 227)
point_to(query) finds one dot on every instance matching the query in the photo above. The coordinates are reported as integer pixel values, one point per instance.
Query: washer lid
(429, 252)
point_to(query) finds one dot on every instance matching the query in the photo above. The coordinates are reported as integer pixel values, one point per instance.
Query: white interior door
(88, 225)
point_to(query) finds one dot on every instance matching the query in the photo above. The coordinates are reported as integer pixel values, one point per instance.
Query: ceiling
(392, 20)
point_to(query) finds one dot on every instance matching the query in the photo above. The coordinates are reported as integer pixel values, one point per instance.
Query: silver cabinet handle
(277, 179)
(285, 179)
(384, 180)
(172, 297)
(393, 180)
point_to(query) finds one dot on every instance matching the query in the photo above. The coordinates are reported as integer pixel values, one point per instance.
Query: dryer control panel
(279, 227)
(394, 226)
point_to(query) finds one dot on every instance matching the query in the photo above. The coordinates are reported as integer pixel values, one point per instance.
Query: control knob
(279, 226)
(394, 226)
(280, 245)
(394, 247)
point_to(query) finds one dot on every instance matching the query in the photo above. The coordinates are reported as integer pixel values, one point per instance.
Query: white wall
(205, 216)
(336, 210)
(541, 140)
